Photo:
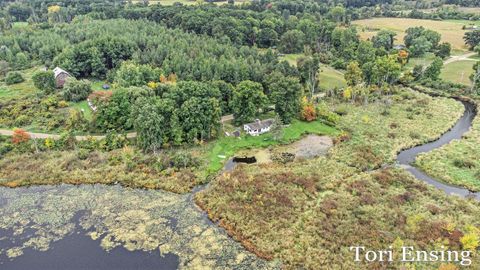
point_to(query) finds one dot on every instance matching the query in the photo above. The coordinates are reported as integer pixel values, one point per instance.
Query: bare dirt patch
(308, 147)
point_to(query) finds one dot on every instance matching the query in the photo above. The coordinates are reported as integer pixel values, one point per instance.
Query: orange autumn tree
(403, 57)
(308, 112)
(20, 136)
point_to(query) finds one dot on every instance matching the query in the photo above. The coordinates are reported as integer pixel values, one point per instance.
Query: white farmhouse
(258, 127)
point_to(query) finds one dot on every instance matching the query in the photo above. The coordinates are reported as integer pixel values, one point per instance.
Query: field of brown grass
(451, 31)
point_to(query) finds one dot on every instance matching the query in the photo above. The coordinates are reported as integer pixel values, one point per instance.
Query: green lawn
(291, 58)
(19, 90)
(463, 22)
(97, 85)
(83, 105)
(228, 146)
(458, 72)
(18, 25)
(330, 78)
(425, 60)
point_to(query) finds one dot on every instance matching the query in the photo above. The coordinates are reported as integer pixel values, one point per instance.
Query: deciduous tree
(286, 94)
(44, 81)
(353, 75)
(248, 100)
(434, 69)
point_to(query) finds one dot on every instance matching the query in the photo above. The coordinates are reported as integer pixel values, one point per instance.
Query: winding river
(407, 157)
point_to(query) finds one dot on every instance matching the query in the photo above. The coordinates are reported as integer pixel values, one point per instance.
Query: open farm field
(451, 31)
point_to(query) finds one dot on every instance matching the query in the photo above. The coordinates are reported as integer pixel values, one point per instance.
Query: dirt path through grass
(35, 135)
(463, 57)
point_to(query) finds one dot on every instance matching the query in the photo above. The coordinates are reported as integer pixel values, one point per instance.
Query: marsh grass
(132, 168)
(377, 136)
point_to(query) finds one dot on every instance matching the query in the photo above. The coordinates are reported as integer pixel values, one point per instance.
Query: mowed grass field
(458, 72)
(328, 76)
(451, 30)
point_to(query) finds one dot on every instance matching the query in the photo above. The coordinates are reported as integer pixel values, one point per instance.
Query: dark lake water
(110, 227)
(79, 252)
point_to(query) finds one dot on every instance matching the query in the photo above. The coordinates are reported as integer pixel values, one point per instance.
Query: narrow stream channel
(407, 157)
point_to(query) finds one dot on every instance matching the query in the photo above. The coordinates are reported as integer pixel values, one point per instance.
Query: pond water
(111, 227)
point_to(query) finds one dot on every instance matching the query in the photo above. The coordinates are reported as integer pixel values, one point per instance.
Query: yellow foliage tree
(347, 93)
(152, 85)
(448, 266)
(471, 239)
(54, 9)
(49, 143)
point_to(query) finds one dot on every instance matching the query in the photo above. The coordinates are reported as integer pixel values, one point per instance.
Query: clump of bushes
(283, 157)
(14, 77)
(462, 163)
(184, 160)
(44, 81)
(327, 116)
(76, 90)
(341, 110)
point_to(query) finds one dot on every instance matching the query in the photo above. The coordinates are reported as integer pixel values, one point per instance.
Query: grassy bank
(126, 167)
(456, 163)
(379, 131)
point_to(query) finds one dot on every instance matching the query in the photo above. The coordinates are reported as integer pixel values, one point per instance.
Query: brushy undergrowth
(308, 214)
(458, 162)
(124, 166)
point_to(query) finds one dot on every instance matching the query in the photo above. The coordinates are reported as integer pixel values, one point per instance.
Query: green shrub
(341, 110)
(113, 140)
(44, 81)
(14, 77)
(83, 154)
(325, 115)
(5, 147)
(462, 163)
(184, 160)
(75, 90)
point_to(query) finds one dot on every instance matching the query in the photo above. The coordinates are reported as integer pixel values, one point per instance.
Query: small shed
(60, 76)
(258, 127)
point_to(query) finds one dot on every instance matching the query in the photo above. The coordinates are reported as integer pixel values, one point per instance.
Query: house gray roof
(259, 124)
(57, 71)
